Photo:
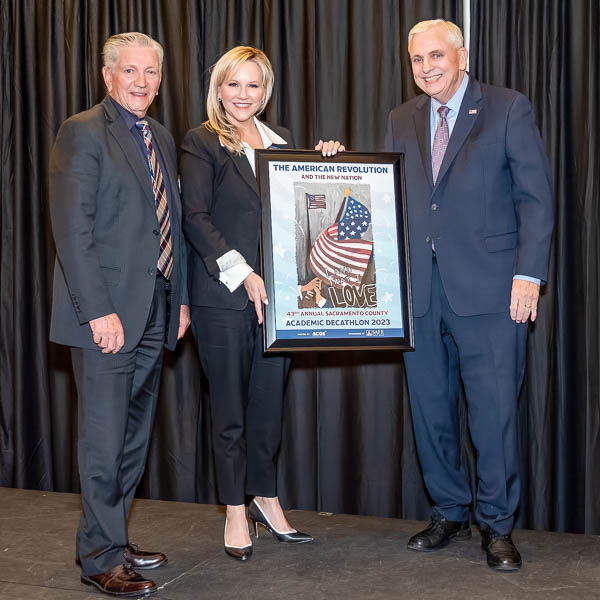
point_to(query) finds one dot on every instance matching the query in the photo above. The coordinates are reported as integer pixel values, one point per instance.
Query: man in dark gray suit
(120, 296)
(480, 215)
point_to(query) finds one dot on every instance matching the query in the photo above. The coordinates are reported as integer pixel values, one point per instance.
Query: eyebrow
(232, 79)
(430, 52)
(131, 66)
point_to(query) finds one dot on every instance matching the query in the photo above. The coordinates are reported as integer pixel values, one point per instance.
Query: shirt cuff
(234, 276)
(322, 302)
(229, 259)
(527, 278)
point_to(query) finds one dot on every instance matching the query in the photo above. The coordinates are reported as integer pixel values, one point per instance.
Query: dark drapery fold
(340, 66)
(551, 52)
(25, 435)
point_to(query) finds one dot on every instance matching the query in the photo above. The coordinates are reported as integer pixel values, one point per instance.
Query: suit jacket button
(434, 207)
(152, 271)
(156, 232)
(428, 239)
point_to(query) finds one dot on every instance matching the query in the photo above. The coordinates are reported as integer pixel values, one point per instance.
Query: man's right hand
(108, 333)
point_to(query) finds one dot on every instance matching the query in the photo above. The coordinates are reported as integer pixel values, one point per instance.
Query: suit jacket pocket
(505, 241)
(112, 275)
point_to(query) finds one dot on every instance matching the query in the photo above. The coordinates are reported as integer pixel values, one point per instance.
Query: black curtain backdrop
(340, 66)
(551, 52)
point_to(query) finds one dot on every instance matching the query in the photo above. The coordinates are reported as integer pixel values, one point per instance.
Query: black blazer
(105, 228)
(221, 212)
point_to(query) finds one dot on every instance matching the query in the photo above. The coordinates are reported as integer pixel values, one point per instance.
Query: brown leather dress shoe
(138, 559)
(121, 580)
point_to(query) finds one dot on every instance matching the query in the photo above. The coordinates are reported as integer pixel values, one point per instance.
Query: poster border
(270, 340)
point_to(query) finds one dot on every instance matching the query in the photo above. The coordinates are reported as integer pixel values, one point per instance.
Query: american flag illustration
(339, 254)
(316, 200)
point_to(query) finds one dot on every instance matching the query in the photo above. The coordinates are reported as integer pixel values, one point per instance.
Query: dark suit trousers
(117, 400)
(488, 353)
(246, 399)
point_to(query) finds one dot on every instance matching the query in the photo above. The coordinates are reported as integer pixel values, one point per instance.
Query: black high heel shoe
(256, 515)
(239, 552)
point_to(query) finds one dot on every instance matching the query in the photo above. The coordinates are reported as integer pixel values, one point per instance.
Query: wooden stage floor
(352, 557)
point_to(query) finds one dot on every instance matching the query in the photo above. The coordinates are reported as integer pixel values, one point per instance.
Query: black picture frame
(348, 304)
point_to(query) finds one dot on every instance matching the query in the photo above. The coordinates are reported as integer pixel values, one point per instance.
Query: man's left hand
(184, 320)
(524, 300)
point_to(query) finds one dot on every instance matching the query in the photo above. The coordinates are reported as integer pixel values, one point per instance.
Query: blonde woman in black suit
(222, 215)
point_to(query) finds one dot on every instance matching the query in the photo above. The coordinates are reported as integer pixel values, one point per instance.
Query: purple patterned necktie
(440, 142)
(165, 256)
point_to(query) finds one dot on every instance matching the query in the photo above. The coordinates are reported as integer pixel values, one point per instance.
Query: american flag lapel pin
(472, 111)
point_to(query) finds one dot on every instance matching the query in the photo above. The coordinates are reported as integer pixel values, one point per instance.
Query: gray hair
(453, 32)
(110, 52)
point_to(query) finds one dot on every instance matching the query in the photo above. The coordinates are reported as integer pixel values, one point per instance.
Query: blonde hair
(110, 52)
(230, 62)
(453, 32)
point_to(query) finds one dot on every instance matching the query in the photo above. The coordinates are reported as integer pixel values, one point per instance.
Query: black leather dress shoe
(502, 554)
(139, 559)
(121, 581)
(439, 533)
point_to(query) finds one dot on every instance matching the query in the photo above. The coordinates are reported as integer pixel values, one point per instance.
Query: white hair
(114, 43)
(453, 32)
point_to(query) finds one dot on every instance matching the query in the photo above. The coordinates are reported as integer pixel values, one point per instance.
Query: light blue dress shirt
(454, 107)
(453, 104)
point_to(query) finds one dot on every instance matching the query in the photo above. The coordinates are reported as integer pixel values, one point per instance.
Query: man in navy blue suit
(480, 215)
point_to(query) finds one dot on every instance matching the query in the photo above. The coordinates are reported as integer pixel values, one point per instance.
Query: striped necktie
(165, 257)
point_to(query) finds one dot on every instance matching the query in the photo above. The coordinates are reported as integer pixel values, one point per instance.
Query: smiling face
(134, 80)
(438, 67)
(242, 93)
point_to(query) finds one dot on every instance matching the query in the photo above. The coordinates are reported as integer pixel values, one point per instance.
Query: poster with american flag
(333, 251)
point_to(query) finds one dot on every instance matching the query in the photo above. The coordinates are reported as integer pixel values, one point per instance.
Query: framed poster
(334, 251)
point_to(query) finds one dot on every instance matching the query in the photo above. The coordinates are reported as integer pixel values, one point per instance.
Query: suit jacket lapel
(422, 121)
(163, 144)
(245, 170)
(122, 135)
(468, 114)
